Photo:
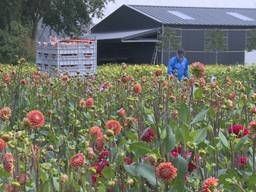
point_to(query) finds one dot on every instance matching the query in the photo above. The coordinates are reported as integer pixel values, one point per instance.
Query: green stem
(253, 155)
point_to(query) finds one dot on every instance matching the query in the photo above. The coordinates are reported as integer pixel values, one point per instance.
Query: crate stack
(75, 57)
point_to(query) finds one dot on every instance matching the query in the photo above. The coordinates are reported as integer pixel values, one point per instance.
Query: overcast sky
(194, 3)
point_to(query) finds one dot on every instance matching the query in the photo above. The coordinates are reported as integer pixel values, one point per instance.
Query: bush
(15, 42)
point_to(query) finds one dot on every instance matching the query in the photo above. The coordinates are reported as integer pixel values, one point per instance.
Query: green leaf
(140, 148)
(198, 93)
(147, 172)
(151, 119)
(199, 117)
(163, 134)
(224, 140)
(170, 140)
(241, 143)
(133, 136)
(108, 172)
(184, 113)
(181, 164)
(200, 135)
(132, 169)
(144, 170)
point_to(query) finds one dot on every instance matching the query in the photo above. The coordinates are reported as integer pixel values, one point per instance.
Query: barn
(151, 34)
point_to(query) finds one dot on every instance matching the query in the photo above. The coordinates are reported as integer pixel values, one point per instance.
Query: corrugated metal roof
(122, 34)
(202, 16)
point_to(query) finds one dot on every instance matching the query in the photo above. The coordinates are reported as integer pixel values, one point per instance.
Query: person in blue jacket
(179, 64)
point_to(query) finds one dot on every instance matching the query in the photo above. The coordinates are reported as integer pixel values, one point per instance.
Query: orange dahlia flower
(166, 171)
(209, 184)
(35, 119)
(77, 160)
(114, 125)
(5, 113)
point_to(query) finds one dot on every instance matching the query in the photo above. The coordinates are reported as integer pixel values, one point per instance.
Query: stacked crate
(75, 57)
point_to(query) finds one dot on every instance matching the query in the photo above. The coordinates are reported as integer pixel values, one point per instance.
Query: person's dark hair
(181, 51)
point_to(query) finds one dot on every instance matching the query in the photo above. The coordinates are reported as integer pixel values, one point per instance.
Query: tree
(68, 16)
(170, 40)
(251, 40)
(215, 40)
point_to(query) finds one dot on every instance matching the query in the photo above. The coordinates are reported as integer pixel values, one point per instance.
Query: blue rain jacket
(179, 65)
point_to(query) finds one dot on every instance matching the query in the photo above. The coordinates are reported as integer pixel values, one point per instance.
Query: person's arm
(186, 72)
(170, 66)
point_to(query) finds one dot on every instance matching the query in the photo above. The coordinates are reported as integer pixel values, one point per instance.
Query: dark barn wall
(125, 19)
(193, 40)
(114, 51)
(236, 40)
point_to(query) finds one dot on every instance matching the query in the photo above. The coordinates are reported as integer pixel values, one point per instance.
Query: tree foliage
(251, 40)
(65, 16)
(215, 40)
(170, 40)
(15, 42)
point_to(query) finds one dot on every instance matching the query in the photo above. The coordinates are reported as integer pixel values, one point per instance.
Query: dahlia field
(129, 129)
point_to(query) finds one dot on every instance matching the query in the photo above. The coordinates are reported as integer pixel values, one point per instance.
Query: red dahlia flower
(8, 162)
(96, 131)
(242, 161)
(209, 183)
(198, 69)
(9, 188)
(238, 130)
(23, 178)
(121, 112)
(202, 82)
(176, 151)
(77, 160)
(191, 166)
(99, 143)
(2, 145)
(89, 102)
(166, 171)
(114, 125)
(252, 124)
(128, 160)
(35, 119)
(148, 135)
(6, 78)
(137, 88)
(104, 155)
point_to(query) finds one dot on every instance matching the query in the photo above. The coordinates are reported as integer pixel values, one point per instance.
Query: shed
(151, 34)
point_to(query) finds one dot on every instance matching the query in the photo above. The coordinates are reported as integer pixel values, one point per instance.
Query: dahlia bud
(7, 137)
(173, 98)
(111, 183)
(15, 184)
(64, 178)
(230, 104)
(124, 66)
(253, 110)
(130, 181)
(202, 152)
(23, 178)
(254, 96)
(175, 114)
(90, 153)
(110, 133)
(244, 97)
